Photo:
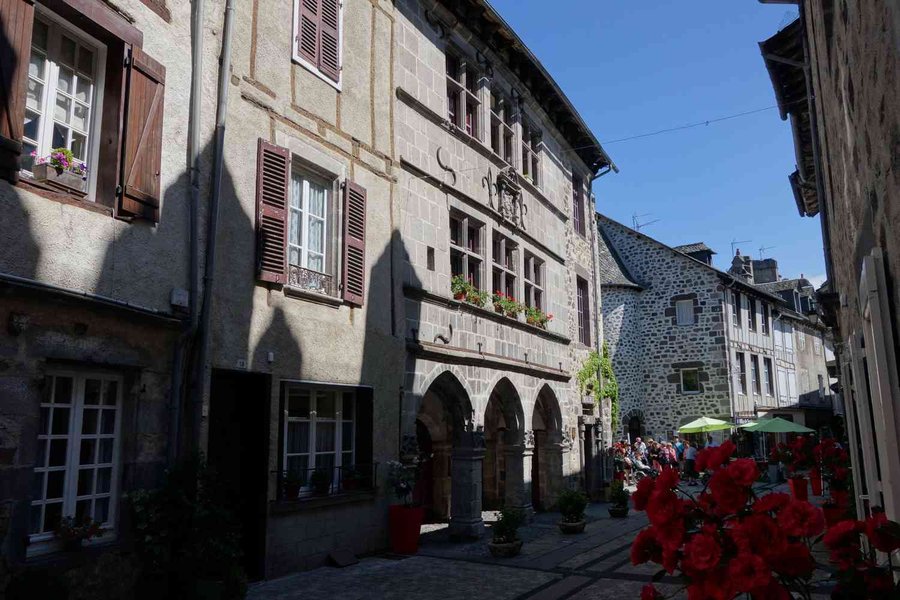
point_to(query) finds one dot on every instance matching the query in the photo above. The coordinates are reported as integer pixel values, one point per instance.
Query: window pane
(316, 234)
(60, 421)
(63, 391)
(316, 200)
(79, 146)
(85, 482)
(82, 510)
(325, 405)
(37, 486)
(298, 437)
(325, 462)
(85, 61)
(39, 35)
(79, 121)
(44, 425)
(92, 391)
(294, 256)
(60, 136)
(347, 458)
(110, 394)
(325, 437)
(298, 404)
(104, 480)
(65, 81)
(41, 453)
(61, 111)
(347, 436)
(27, 159)
(294, 235)
(35, 523)
(89, 421)
(36, 66)
(67, 51)
(347, 409)
(108, 422)
(58, 453)
(56, 484)
(315, 262)
(297, 466)
(106, 451)
(52, 516)
(88, 452)
(101, 510)
(83, 90)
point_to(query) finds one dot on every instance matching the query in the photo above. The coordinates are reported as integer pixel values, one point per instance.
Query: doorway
(238, 451)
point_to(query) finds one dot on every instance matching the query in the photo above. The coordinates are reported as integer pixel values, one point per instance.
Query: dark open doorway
(238, 451)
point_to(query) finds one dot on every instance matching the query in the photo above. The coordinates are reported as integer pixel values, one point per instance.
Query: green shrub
(507, 525)
(618, 495)
(571, 504)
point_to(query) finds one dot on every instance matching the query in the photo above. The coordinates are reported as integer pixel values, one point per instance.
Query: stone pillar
(518, 495)
(553, 459)
(440, 464)
(465, 495)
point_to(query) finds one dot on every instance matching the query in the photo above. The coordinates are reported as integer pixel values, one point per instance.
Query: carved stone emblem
(505, 196)
(529, 438)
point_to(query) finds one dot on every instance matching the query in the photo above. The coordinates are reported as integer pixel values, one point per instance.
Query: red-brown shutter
(142, 131)
(354, 272)
(16, 22)
(273, 180)
(330, 43)
(308, 31)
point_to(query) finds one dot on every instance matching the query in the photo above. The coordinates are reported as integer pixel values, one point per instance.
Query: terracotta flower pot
(505, 550)
(799, 488)
(459, 296)
(405, 523)
(815, 482)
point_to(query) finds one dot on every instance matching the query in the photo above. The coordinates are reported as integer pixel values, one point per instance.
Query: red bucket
(799, 488)
(405, 522)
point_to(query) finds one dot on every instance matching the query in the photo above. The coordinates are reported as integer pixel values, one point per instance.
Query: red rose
(759, 534)
(701, 553)
(843, 542)
(667, 480)
(642, 494)
(645, 547)
(649, 592)
(670, 558)
(728, 496)
(771, 502)
(747, 572)
(743, 471)
(663, 507)
(671, 535)
(794, 561)
(802, 519)
(884, 534)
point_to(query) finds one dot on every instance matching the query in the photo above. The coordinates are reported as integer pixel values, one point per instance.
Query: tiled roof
(695, 247)
(612, 270)
(785, 284)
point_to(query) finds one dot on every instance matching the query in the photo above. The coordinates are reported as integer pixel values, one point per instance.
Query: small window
(765, 319)
(466, 250)
(504, 271)
(690, 381)
(317, 35)
(684, 311)
(531, 153)
(534, 281)
(767, 374)
(578, 204)
(755, 375)
(463, 103)
(742, 372)
(502, 121)
(801, 340)
(311, 252)
(77, 469)
(736, 309)
(751, 314)
(817, 344)
(584, 311)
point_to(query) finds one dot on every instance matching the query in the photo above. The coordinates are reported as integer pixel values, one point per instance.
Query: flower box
(61, 180)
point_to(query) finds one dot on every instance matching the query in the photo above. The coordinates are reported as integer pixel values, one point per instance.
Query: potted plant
(74, 533)
(506, 305)
(537, 317)
(320, 481)
(505, 542)
(351, 479)
(405, 520)
(476, 297)
(61, 169)
(839, 486)
(618, 498)
(459, 287)
(291, 486)
(571, 504)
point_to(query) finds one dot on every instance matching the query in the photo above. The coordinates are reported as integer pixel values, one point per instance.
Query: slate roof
(612, 270)
(695, 247)
(785, 284)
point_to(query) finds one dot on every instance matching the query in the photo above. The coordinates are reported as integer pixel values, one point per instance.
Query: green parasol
(704, 424)
(776, 425)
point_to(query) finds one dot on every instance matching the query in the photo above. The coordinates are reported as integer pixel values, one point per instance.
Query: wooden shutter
(308, 31)
(273, 180)
(354, 263)
(329, 38)
(16, 22)
(139, 190)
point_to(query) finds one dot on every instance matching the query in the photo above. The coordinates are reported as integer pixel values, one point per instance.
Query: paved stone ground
(593, 565)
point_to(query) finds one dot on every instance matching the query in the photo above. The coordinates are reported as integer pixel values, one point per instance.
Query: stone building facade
(493, 188)
(688, 340)
(836, 88)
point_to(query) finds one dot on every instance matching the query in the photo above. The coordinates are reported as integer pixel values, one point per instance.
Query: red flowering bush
(726, 541)
(859, 574)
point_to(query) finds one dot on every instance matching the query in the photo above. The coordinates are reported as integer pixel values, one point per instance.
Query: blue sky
(636, 67)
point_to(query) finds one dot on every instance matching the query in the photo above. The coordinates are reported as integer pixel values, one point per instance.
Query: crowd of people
(633, 461)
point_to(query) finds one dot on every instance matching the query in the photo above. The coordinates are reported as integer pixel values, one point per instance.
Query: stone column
(465, 495)
(440, 461)
(553, 459)
(517, 494)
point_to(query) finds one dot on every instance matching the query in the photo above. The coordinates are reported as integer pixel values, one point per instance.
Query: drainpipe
(193, 165)
(201, 382)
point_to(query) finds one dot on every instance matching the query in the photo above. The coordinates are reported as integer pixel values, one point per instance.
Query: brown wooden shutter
(354, 271)
(16, 22)
(330, 43)
(139, 191)
(308, 31)
(273, 180)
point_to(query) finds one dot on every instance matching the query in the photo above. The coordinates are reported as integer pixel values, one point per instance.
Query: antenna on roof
(734, 243)
(762, 249)
(637, 225)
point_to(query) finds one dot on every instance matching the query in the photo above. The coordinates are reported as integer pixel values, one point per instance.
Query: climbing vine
(597, 375)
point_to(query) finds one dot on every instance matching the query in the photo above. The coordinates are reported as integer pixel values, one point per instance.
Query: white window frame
(44, 542)
(534, 278)
(297, 58)
(740, 359)
(499, 264)
(767, 377)
(504, 113)
(462, 249)
(736, 309)
(531, 146)
(686, 391)
(751, 314)
(55, 26)
(679, 312)
(755, 376)
(327, 259)
(338, 419)
(464, 95)
(765, 327)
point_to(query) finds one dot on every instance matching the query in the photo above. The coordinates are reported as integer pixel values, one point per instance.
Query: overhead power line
(691, 125)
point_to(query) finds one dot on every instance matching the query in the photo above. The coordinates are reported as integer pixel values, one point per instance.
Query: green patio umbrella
(704, 424)
(776, 425)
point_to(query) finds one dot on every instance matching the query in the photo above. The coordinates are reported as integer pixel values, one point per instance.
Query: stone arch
(546, 469)
(504, 432)
(634, 425)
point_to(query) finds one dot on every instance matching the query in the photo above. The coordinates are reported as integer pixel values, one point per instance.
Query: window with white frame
(684, 312)
(531, 152)
(690, 381)
(76, 470)
(308, 239)
(502, 121)
(755, 375)
(62, 98)
(505, 259)
(751, 314)
(466, 250)
(736, 309)
(767, 376)
(765, 318)
(319, 432)
(534, 281)
(742, 372)
(801, 340)
(463, 94)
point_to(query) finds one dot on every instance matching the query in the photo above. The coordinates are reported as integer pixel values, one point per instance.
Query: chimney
(742, 267)
(765, 270)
